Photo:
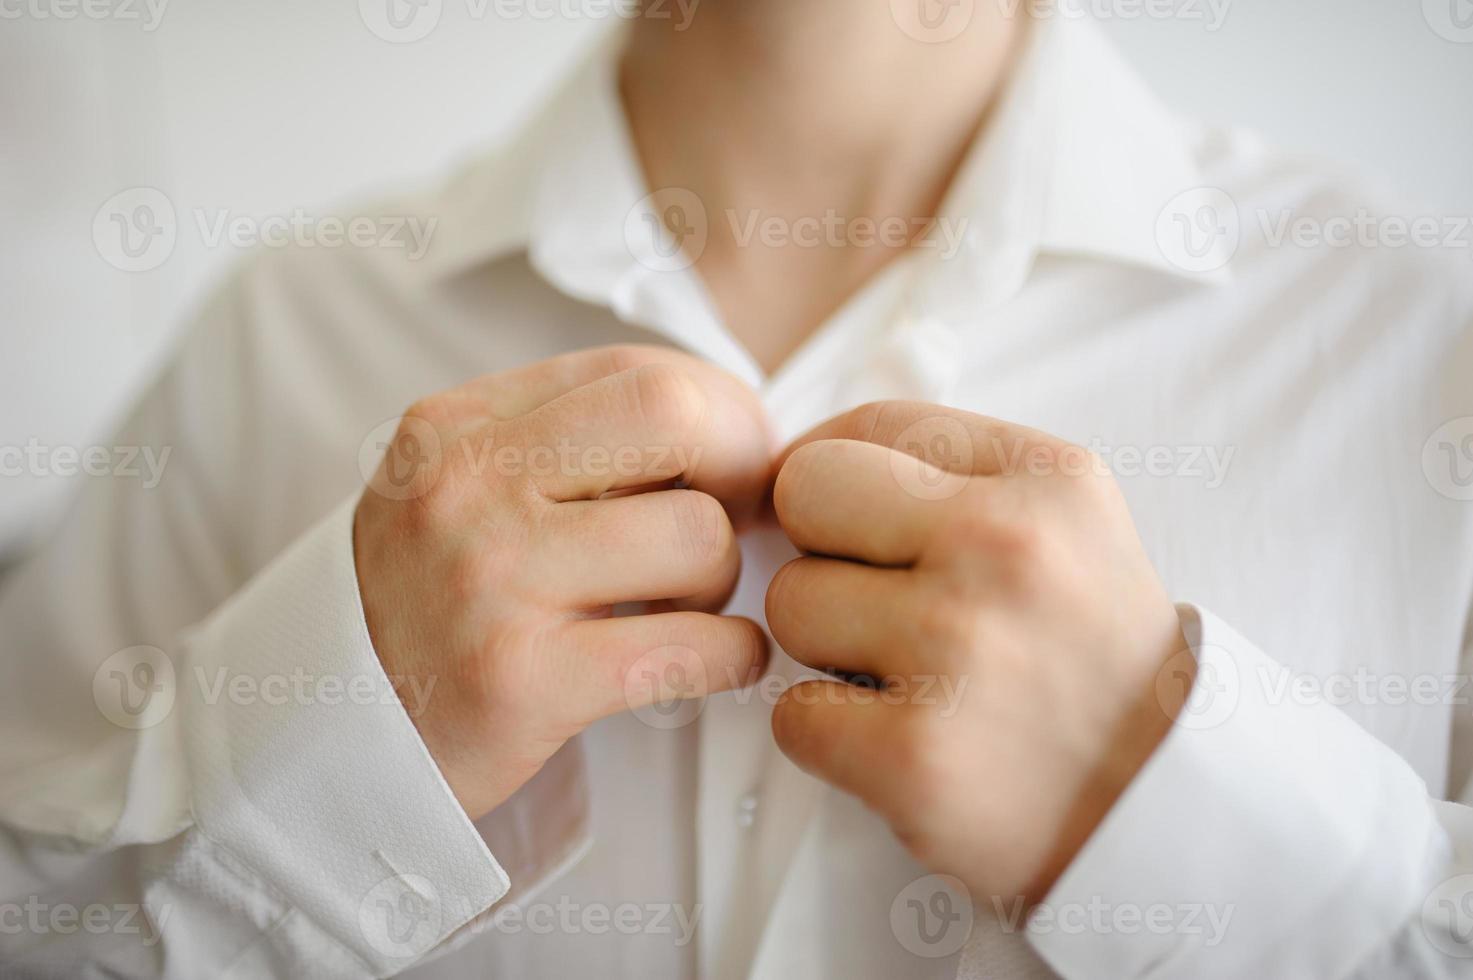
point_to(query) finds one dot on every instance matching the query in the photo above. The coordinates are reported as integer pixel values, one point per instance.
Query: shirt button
(746, 810)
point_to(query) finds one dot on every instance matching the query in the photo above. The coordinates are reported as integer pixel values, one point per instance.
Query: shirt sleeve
(1268, 836)
(204, 770)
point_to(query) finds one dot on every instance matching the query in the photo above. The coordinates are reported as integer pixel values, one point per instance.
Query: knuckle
(1015, 548)
(993, 531)
(434, 510)
(913, 749)
(1072, 463)
(944, 624)
(797, 471)
(792, 731)
(913, 831)
(413, 460)
(781, 601)
(787, 488)
(627, 357)
(507, 669)
(667, 398)
(702, 529)
(468, 577)
(871, 420)
(437, 410)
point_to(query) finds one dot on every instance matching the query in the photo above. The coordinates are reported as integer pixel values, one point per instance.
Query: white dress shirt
(1292, 423)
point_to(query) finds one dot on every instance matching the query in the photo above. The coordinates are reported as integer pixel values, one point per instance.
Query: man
(914, 281)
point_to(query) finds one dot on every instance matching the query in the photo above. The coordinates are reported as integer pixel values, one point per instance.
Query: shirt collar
(1078, 159)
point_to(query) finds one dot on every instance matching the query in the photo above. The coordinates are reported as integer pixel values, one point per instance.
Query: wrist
(1149, 711)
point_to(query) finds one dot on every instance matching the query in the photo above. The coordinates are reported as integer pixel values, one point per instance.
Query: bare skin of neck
(816, 109)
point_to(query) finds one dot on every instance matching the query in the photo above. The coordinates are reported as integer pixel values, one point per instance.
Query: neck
(802, 108)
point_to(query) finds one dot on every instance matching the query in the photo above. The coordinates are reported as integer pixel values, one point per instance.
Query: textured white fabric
(1266, 410)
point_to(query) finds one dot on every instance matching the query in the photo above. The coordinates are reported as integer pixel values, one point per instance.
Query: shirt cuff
(1267, 836)
(307, 772)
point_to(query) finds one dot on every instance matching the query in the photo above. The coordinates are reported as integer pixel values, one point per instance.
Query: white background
(255, 107)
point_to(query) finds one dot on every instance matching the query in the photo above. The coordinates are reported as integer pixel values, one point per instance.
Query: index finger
(947, 438)
(517, 391)
(653, 424)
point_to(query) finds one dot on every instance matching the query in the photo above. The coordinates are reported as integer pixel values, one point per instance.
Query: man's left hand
(990, 580)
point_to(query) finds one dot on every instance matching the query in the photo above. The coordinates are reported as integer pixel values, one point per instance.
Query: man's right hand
(511, 514)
